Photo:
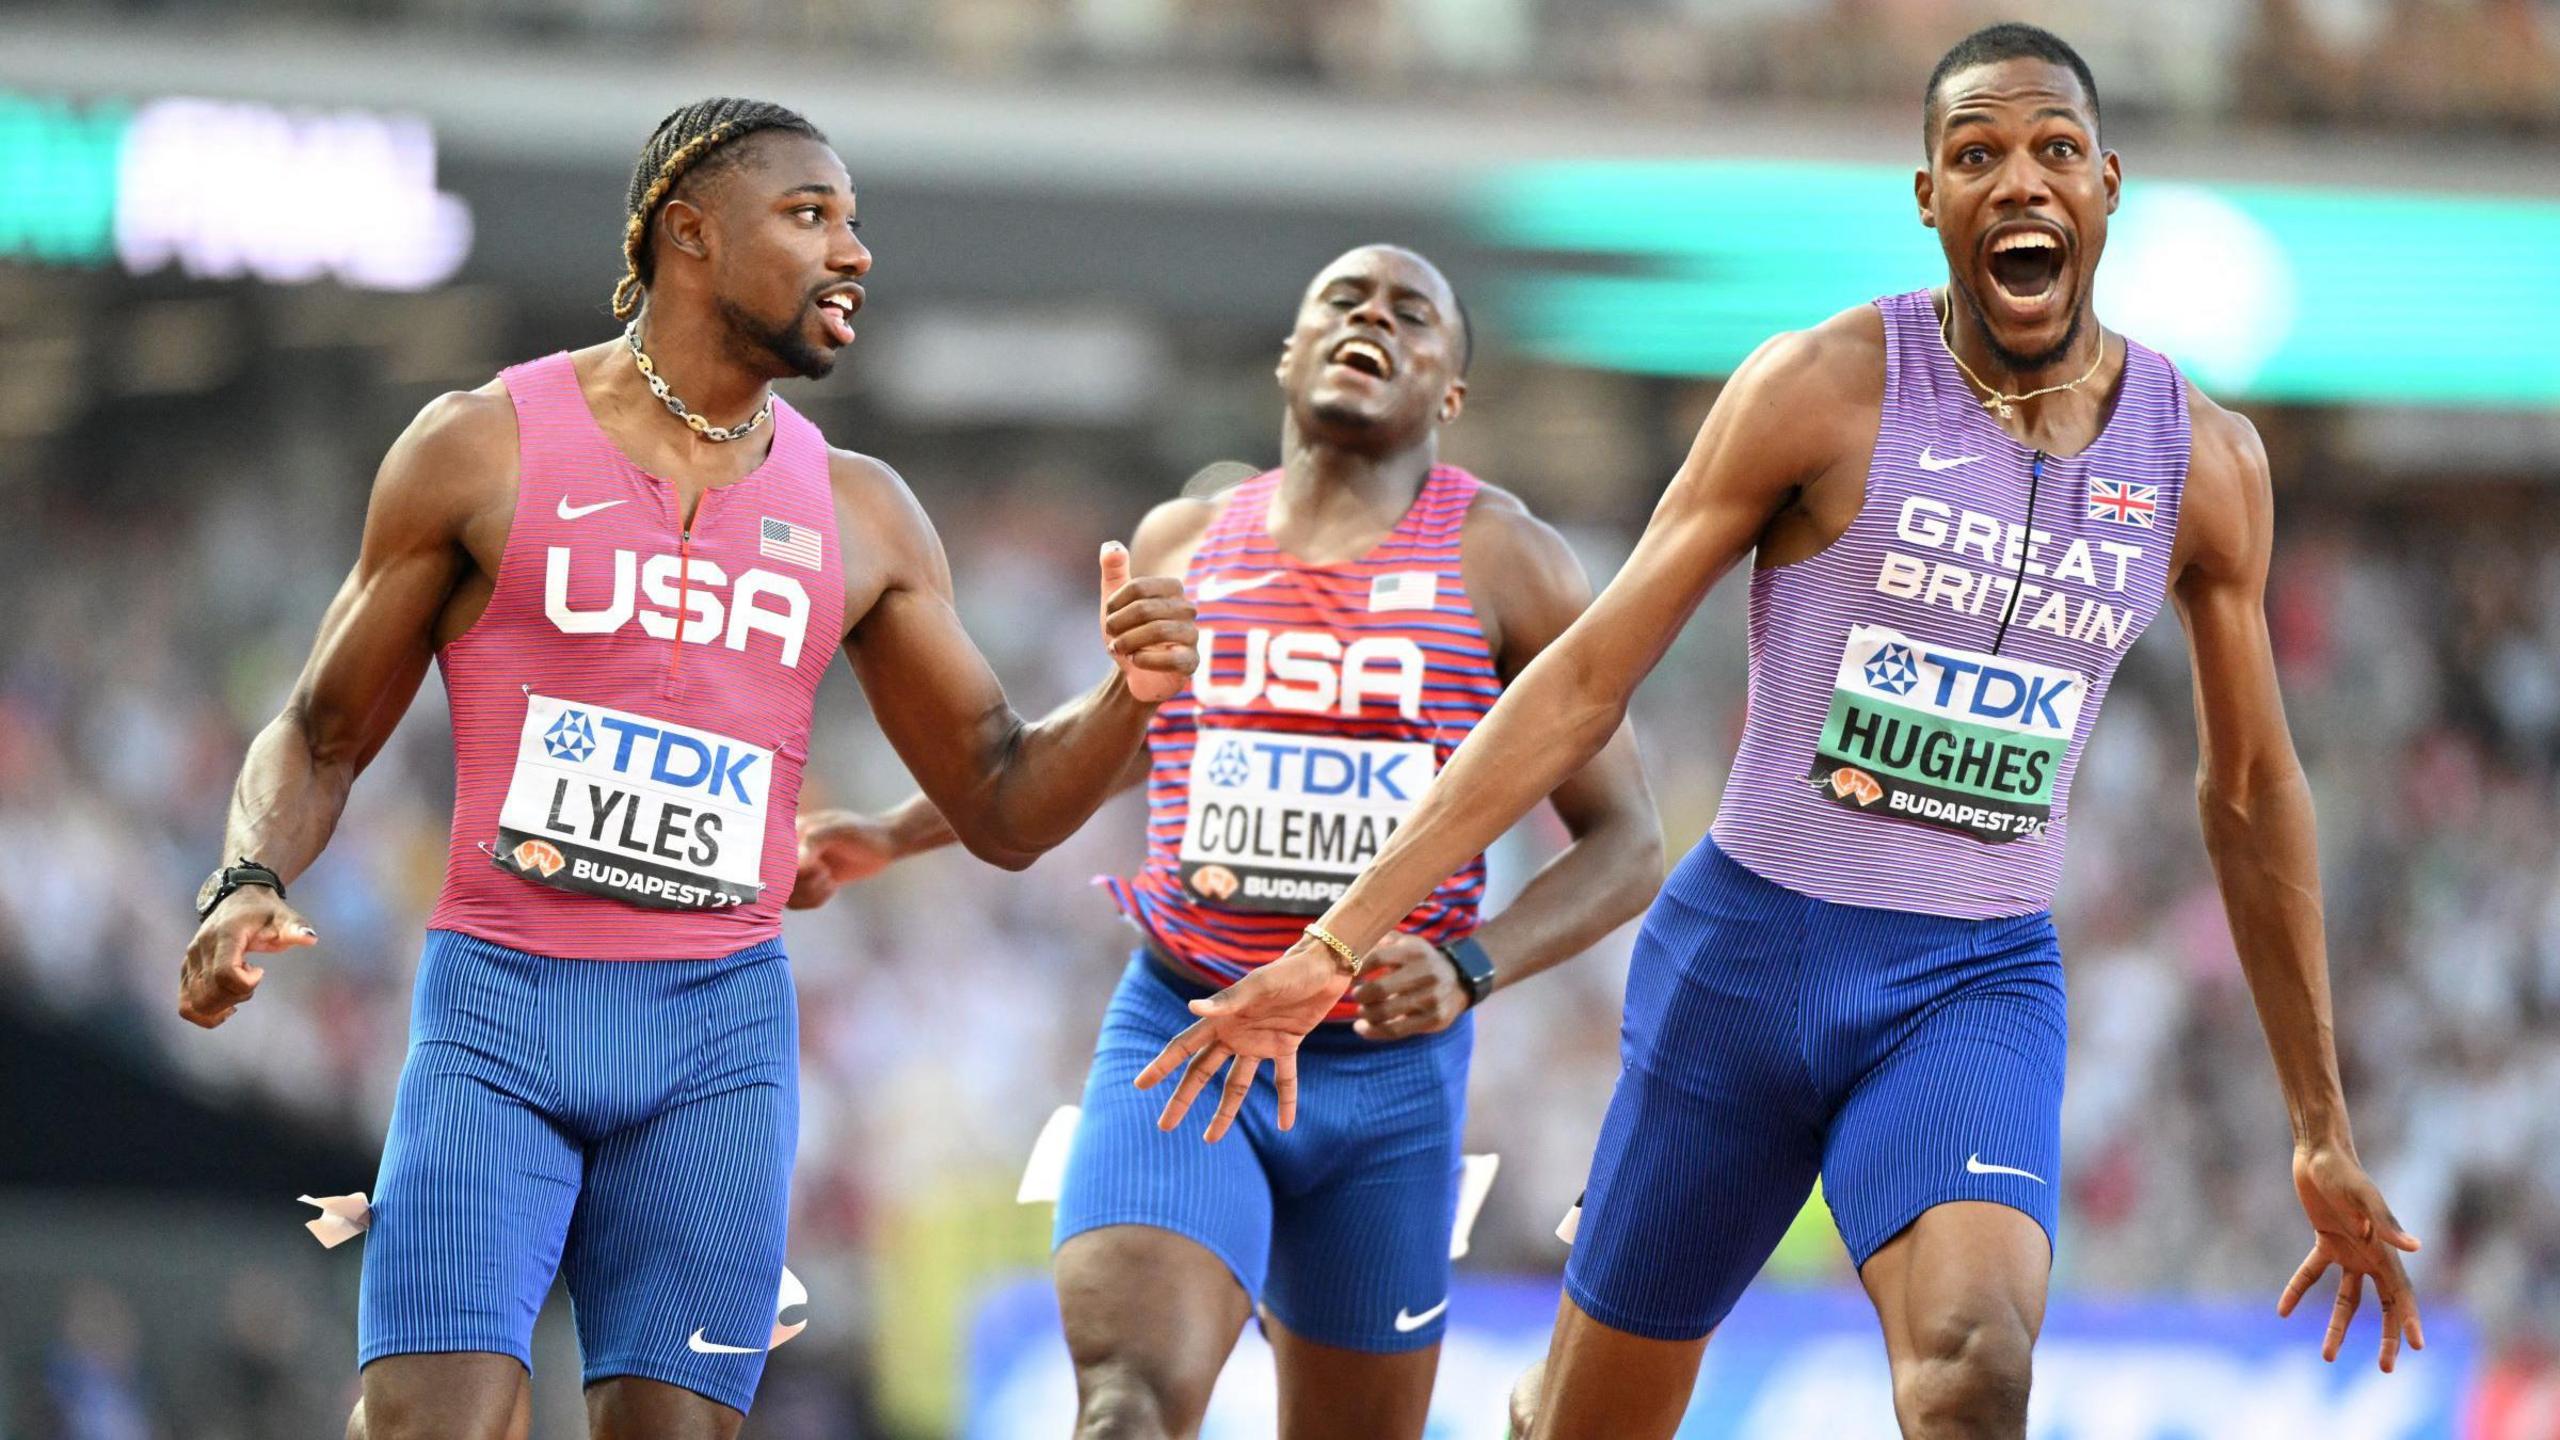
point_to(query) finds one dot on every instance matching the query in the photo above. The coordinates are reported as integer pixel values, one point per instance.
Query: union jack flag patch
(2123, 503)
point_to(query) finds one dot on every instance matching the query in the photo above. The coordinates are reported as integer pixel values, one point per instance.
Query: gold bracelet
(1348, 962)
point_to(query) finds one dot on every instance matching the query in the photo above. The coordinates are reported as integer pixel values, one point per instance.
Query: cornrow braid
(680, 146)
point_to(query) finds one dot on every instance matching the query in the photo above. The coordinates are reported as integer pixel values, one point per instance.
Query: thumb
(1212, 1005)
(283, 933)
(2387, 1228)
(1115, 568)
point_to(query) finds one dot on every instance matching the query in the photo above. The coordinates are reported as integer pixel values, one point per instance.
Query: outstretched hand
(1260, 1017)
(2354, 1230)
(1147, 626)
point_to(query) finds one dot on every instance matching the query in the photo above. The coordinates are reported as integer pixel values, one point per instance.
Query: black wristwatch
(1475, 968)
(217, 887)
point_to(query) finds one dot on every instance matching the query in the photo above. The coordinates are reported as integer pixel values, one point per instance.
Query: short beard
(781, 345)
(2010, 360)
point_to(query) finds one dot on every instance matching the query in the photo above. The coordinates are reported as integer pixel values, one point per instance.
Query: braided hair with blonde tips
(693, 140)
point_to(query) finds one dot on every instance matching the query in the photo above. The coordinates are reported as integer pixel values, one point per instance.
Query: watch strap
(1475, 967)
(231, 878)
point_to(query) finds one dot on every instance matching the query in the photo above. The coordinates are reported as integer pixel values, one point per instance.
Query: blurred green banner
(2260, 291)
(227, 189)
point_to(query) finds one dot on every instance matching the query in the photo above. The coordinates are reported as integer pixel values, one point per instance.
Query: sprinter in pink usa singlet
(633, 564)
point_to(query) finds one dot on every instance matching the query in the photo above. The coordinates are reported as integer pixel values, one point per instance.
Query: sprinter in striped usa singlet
(1965, 504)
(632, 611)
(1359, 608)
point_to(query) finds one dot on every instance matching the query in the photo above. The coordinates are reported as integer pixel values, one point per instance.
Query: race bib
(1282, 822)
(1953, 738)
(656, 814)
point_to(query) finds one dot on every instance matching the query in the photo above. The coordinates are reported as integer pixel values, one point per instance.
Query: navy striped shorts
(626, 1125)
(1339, 1225)
(1909, 1060)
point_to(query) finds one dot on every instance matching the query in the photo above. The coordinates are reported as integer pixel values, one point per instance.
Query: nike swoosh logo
(1932, 462)
(700, 1346)
(1973, 1166)
(1406, 1324)
(1215, 588)
(580, 512)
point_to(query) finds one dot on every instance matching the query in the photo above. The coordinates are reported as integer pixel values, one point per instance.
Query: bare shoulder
(483, 416)
(2224, 451)
(1167, 534)
(455, 460)
(1503, 533)
(861, 479)
(1801, 406)
(1523, 579)
(874, 500)
(1838, 362)
(2226, 511)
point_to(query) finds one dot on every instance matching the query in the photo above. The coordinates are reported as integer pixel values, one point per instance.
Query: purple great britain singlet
(1921, 690)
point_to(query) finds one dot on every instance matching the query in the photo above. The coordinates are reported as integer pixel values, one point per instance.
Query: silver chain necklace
(675, 407)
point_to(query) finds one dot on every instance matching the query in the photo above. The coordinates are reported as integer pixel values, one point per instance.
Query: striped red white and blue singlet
(1921, 690)
(1327, 697)
(632, 710)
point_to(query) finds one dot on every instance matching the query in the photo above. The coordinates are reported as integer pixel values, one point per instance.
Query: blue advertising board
(1791, 1364)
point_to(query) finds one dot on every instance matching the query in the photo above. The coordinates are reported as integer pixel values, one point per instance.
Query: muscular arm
(455, 463)
(913, 826)
(1005, 787)
(839, 847)
(2250, 787)
(1611, 870)
(1759, 445)
(1801, 408)
(378, 634)
(2258, 830)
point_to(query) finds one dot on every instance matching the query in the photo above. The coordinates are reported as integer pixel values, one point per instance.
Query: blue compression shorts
(1909, 1060)
(629, 1125)
(1340, 1225)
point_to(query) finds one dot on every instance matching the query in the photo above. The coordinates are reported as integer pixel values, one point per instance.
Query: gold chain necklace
(1999, 402)
(675, 407)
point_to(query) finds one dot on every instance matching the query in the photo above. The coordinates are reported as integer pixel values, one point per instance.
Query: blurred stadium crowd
(948, 1007)
(171, 546)
(2467, 64)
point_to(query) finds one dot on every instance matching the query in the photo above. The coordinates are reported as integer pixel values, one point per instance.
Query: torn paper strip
(1047, 1171)
(794, 1295)
(341, 1219)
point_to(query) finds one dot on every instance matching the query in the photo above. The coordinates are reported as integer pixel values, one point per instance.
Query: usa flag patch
(796, 543)
(2123, 503)
(1405, 590)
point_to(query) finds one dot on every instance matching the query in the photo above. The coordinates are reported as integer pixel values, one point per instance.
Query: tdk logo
(1289, 767)
(570, 738)
(1974, 687)
(667, 756)
(1893, 671)
(1230, 768)
(663, 589)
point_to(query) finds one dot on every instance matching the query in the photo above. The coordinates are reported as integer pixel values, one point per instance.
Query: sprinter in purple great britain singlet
(633, 564)
(1965, 504)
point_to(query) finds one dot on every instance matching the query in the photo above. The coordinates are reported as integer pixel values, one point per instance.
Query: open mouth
(2026, 264)
(835, 312)
(1365, 356)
